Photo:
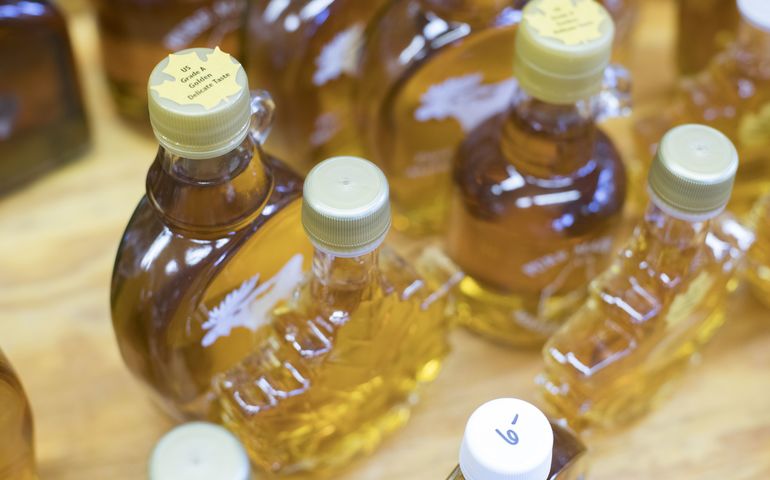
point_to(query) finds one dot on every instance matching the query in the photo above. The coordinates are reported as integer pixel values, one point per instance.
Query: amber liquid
(567, 461)
(733, 96)
(17, 454)
(42, 120)
(706, 27)
(212, 242)
(432, 71)
(661, 300)
(338, 366)
(537, 203)
(137, 34)
(758, 268)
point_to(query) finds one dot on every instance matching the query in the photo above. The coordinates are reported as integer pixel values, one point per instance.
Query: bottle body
(705, 27)
(17, 453)
(135, 35)
(42, 123)
(758, 268)
(537, 202)
(211, 247)
(733, 96)
(660, 301)
(337, 366)
(308, 58)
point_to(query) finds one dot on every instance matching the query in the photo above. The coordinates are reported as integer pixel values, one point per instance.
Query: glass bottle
(538, 189)
(42, 119)
(510, 438)
(339, 365)
(306, 53)
(705, 27)
(199, 451)
(137, 34)
(662, 298)
(758, 268)
(431, 72)
(216, 241)
(17, 452)
(733, 96)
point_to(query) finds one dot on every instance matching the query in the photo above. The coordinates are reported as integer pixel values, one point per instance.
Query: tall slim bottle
(17, 451)
(733, 96)
(664, 295)
(217, 240)
(705, 27)
(758, 264)
(539, 189)
(338, 366)
(509, 438)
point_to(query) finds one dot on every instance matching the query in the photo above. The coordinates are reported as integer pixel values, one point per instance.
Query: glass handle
(615, 96)
(262, 113)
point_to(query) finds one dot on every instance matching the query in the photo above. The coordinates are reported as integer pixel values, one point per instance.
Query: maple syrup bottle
(137, 34)
(339, 364)
(431, 72)
(306, 55)
(705, 27)
(663, 296)
(509, 438)
(17, 452)
(733, 96)
(42, 119)
(217, 240)
(539, 189)
(758, 268)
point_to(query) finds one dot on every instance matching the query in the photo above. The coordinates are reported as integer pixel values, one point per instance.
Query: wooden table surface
(58, 238)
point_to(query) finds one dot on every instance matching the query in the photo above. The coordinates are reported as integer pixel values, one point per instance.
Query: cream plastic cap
(756, 12)
(199, 451)
(693, 172)
(562, 49)
(346, 206)
(199, 103)
(507, 439)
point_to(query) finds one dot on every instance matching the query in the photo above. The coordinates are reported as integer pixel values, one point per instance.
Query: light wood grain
(58, 237)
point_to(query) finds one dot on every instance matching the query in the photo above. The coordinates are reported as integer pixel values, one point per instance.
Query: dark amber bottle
(137, 34)
(42, 120)
(17, 453)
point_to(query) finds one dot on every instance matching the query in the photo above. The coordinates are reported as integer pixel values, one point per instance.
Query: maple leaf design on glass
(206, 81)
(249, 305)
(572, 22)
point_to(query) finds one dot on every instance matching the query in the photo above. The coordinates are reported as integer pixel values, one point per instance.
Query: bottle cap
(692, 174)
(562, 49)
(507, 439)
(199, 103)
(199, 451)
(346, 206)
(756, 12)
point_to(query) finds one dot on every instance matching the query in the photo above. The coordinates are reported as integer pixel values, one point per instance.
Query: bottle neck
(752, 49)
(672, 233)
(342, 282)
(545, 139)
(209, 195)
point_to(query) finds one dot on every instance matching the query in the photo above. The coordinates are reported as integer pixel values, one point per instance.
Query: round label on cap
(568, 21)
(199, 80)
(507, 439)
(199, 451)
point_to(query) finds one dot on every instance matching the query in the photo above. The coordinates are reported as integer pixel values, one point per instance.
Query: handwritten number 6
(510, 436)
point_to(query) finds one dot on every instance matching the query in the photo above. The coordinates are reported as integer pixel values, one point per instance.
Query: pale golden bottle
(337, 367)
(539, 189)
(758, 264)
(662, 298)
(733, 96)
(705, 27)
(431, 72)
(17, 451)
(216, 241)
(306, 54)
(509, 439)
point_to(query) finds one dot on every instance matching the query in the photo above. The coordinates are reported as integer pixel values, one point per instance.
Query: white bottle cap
(507, 439)
(199, 451)
(757, 12)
